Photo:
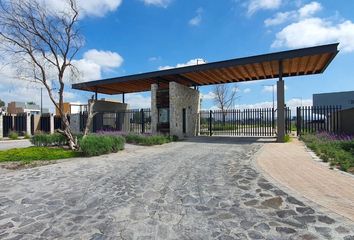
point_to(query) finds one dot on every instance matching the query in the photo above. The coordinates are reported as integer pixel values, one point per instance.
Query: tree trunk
(72, 140)
(90, 115)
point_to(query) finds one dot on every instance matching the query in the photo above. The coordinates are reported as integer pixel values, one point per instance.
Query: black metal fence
(20, 123)
(44, 123)
(237, 122)
(133, 120)
(317, 119)
(58, 124)
(7, 124)
(16, 123)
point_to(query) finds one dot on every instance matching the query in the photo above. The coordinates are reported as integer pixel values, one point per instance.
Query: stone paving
(202, 189)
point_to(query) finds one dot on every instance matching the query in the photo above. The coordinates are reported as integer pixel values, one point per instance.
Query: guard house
(175, 101)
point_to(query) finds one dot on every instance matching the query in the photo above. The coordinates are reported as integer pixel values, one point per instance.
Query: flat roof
(334, 93)
(298, 62)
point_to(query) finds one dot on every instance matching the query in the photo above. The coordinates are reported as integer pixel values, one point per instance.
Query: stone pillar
(183, 97)
(28, 124)
(280, 105)
(1, 126)
(154, 111)
(51, 123)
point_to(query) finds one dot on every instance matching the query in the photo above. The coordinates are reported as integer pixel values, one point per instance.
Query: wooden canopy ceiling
(299, 62)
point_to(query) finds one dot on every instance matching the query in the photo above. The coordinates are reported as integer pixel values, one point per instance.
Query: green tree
(2, 103)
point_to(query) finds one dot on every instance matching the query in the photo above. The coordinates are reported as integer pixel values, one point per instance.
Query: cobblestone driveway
(187, 190)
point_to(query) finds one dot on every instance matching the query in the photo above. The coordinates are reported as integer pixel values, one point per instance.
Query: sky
(124, 37)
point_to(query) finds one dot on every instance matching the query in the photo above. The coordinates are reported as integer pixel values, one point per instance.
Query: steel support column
(123, 97)
(280, 105)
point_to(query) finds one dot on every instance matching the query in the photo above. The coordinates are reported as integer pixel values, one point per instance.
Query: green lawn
(35, 154)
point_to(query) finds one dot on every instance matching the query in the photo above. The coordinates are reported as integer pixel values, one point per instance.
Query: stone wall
(75, 123)
(154, 111)
(108, 106)
(182, 97)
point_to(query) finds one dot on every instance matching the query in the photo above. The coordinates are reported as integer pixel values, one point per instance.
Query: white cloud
(195, 21)
(158, 3)
(96, 8)
(247, 90)
(94, 62)
(236, 89)
(315, 31)
(256, 5)
(153, 59)
(191, 62)
(307, 30)
(106, 59)
(309, 9)
(280, 18)
(304, 12)
(269, 88)
(137, 100)
(88, 70)
(253, 82)
(208, 96)
(254, 105)
(292, 104)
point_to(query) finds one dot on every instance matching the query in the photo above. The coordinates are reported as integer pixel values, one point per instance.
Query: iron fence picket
(7, 124)
(44, 123)
(310, 119)
(20, 123)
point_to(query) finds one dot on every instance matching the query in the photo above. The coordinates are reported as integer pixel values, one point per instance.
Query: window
(164, 115)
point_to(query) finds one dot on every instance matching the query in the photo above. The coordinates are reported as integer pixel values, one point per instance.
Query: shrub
(149, 140)
(46, 140)
(13, 135)
(95, 145)
(287, 138)
(338, 150)
(27, 136)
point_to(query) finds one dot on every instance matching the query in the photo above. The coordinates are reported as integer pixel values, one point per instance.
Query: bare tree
(224, 97)
(44, 44)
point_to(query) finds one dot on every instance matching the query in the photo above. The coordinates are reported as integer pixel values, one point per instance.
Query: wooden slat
(245, 73)
(238, 73)
(275, 68)
(220, 79)
(251, 71)
(201, 77)
(303, 64)
(268, 69)
(321, 63)
(295, 66)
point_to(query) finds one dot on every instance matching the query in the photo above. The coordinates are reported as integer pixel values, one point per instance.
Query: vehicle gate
(237, 122)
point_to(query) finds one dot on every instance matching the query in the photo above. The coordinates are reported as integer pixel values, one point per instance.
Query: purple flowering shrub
(147, 139)
(337, 149)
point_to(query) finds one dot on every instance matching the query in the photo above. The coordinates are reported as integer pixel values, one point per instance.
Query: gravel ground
(205, 188)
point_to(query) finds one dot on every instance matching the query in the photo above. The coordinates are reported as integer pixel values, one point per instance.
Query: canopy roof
(299, 62)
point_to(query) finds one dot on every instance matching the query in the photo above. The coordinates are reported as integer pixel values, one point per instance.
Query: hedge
(94, 145)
